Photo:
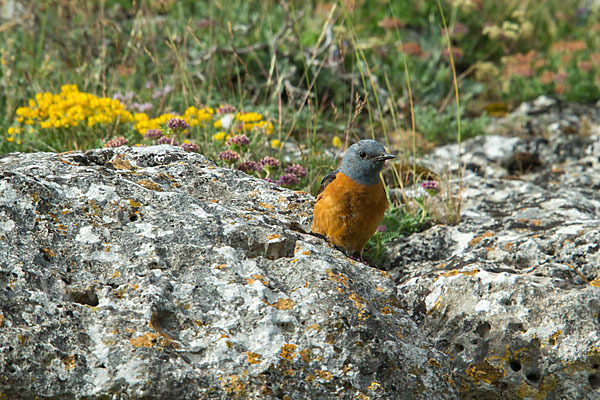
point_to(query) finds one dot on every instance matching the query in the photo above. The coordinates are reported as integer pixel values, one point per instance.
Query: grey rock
(150, 273)
(512, 293)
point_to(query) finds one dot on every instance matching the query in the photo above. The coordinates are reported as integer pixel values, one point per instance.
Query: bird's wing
(327, 179)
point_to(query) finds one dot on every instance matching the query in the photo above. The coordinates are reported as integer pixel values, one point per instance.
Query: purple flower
(288, 180)
(168, 140)
(238, 140)
(190, 146)
(381, 228)
(249, 166)
(177, 124)
(268, 180)
(229, 156)
(431, 187)
(153, 134)
(116, 142)
(296, 169)
(162, 92)
(269, 162)
(141, 107)
(227, 109)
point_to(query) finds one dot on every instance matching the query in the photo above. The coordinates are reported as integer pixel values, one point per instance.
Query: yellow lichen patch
(49, 252)
(478, 239)
(222, 266)
(305, 355)
(69, 361)
(552, 339)
(309, 378)
(116, 274)
(235, 385)
(509, 246)
(338, 278)
(325, 375)
(596, 282)
(358, 301)
(120, 162)
(273, 236)
(306, 253)
(362, 396)
(288, 351)
(253, 358)
(314, 326)
(283, 304)
(261, 278)
(229, 344)
(434, 363)
(134, 203)
(148, 184)
(295, 260)
(341, 290)
(374, 386)
(2, 318)
(386, 310)
(547, 385)
(455, 272)
(385, 274)
(267, 206)
(148, 339)
(484, 371)
(379, 289)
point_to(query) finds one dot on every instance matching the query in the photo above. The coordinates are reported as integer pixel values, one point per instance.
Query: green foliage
(398, 222)
(441, 128)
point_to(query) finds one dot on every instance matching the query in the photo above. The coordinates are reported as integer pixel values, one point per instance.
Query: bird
(351, 200)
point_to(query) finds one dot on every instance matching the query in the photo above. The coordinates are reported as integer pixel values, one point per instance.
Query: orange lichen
(305, 355)
(253, 358)
(338, 278)
(484, 371)
(478, 239)
(267, 206)
(282, 304)
(358, 301)
(386, 310)
(148, 339)
(325, 375)
(148, 184)
(273, 236)
(69, 361)
(288, 351)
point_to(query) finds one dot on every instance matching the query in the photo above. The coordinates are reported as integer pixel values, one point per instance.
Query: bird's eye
(362, 154)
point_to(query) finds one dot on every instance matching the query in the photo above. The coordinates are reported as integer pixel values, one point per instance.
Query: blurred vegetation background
(306, 65)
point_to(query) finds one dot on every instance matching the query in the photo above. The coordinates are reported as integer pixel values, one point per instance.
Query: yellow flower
(11, 130)
(337, 142)
(276, 144)
(10, 139)
(219, 136)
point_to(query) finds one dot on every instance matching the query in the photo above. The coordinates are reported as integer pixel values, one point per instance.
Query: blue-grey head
(364, 161)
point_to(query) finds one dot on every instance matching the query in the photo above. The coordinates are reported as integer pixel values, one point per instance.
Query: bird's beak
(384, 157)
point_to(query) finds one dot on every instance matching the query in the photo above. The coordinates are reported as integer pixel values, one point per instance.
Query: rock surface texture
(149, 273)
(512, 293)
